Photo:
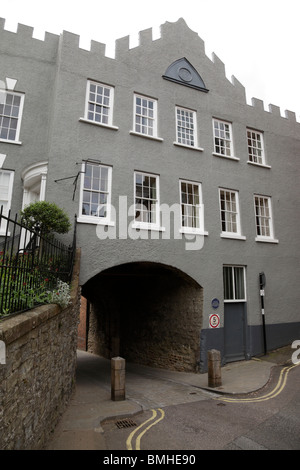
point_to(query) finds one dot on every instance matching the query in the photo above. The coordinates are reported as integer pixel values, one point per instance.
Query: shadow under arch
(149, 313)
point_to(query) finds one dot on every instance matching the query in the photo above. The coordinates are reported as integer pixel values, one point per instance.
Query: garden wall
(38, 378)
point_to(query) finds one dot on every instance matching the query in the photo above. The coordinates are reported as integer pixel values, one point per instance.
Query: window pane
(87, 182)
(145, 198)
(255, 147)
(104, 184)
(4, 185)
(96, 184)
(12, 134)
(9, 115)
(190, 205)
(185, 127)
(85, 209)
(262, 216)
(228, 283)
(96, 190)
(86, 196)
(229, 211)
(99, 107)
(239, 283)
(145, 119)
(234, 283)
(222, 138)
(96, 171)
(5, 199)
(94, 198)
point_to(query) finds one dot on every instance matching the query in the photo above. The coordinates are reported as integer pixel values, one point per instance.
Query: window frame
(139, 223)
(18, 117)
(154, 136)
(194, 128)
(269, 217)
(91, 218)
(3, 224)
(230, 156)
(110, 106)
(251, 157)
(228, 233)
(199, 209)
(233, 267)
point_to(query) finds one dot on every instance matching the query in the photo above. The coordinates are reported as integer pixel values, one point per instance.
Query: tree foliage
(45, 216)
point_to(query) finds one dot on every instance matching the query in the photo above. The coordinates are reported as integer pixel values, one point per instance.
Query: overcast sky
(257, 40)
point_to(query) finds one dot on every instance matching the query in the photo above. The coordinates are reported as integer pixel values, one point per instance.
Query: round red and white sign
(214, 321)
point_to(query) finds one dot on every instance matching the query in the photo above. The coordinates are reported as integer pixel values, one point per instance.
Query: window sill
(266, 240)
(6, 141)
(99, 124)
(155, 228)
(199, 149)
(146, 136)
(226, 156)
(262, 165)
(232, 236)
(234, 301)
(190, 231)
(95, 221)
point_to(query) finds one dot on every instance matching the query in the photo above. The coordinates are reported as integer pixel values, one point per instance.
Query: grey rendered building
(184, 193)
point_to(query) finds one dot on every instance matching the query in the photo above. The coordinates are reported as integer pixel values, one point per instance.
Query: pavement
(146, 388)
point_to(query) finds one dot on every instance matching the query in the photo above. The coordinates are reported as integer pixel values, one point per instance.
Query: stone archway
(148, 313)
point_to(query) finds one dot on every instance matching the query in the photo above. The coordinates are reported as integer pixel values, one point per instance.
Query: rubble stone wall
(38, 376)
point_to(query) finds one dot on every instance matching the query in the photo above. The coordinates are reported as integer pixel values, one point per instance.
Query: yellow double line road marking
(138, 438)
(274, 393)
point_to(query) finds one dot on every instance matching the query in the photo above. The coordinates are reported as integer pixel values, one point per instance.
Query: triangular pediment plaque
(182, 72)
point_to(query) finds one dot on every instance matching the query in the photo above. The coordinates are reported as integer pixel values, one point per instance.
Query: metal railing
(30, 264)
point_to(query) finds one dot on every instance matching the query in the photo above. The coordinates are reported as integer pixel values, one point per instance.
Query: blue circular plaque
(215, 303)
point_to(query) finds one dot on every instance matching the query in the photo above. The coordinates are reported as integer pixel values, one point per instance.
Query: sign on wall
(215, 303)
(214, 320)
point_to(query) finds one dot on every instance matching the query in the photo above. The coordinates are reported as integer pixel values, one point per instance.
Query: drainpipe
(262, 283)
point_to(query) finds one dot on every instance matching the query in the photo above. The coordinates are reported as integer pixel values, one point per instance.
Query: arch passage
(147, 313)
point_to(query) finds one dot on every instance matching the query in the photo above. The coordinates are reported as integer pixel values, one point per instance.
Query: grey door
(235, 312)
(235, 315)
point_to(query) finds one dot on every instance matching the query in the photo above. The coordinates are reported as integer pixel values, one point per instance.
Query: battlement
(24, 32)
(122, 46)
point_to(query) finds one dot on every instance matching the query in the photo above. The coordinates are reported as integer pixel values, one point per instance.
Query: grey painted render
(53, 75)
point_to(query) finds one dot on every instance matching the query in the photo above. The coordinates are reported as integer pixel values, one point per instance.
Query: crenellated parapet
(23, 43)
(24, 33)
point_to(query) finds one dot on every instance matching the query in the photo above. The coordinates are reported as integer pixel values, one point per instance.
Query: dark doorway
(148, 313)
